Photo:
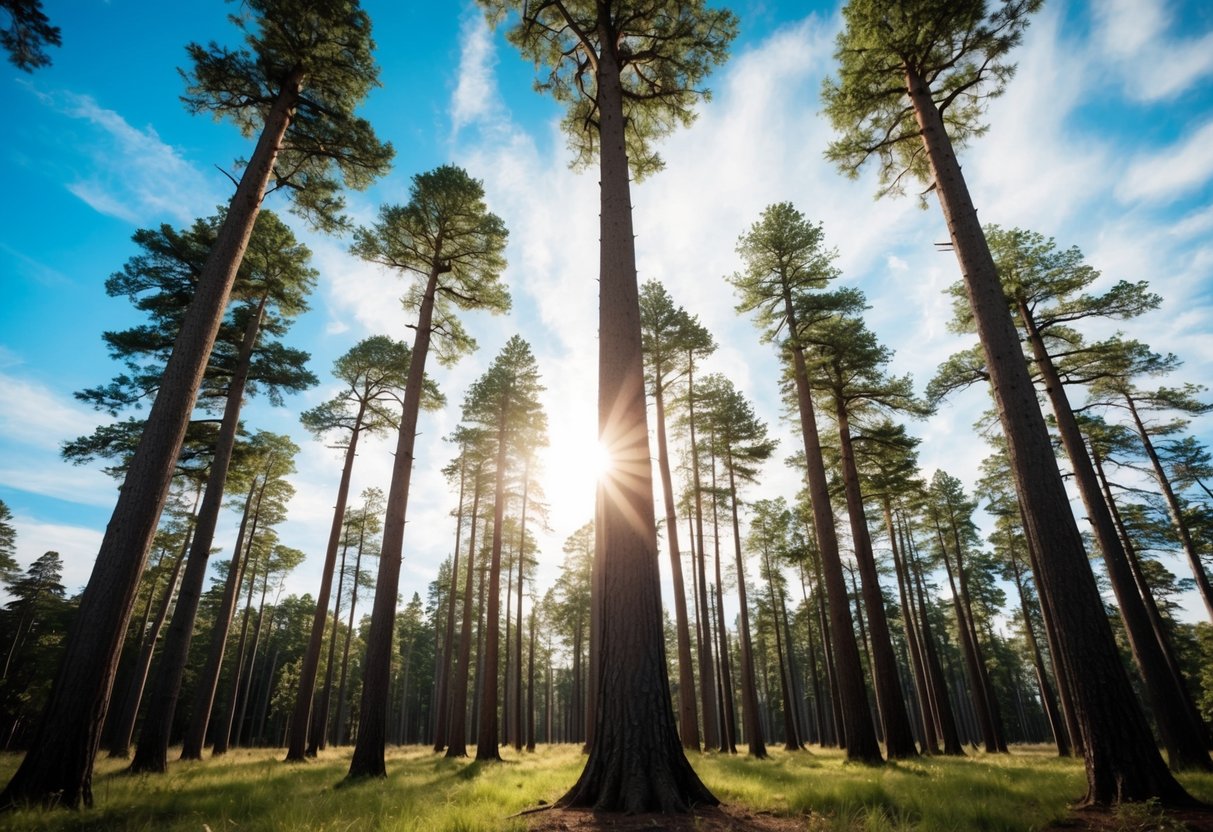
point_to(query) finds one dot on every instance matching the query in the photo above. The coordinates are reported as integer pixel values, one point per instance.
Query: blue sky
(1104, 140)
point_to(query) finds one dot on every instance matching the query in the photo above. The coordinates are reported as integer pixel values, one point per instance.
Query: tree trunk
(442, 707)
(1052, 712)
(688, 726)
(856, 724)
(59, 765)
(707, 666)
(223, 735)
(247, 696)
(151, 752)
(318, 733)
(519, 725)
(899, 737)
(930, 734)
(1122, 761)
(791, 735)
(1174, 510)
(749, 695)
(208, 678)
(1147, 596)
(728, 709)
(1181, 736)
(368, 760)
(456, 745)
(301, 714)
(486, 746)
(945, 715)
(339, 732)
(530, 687)
(125, 727)
(636, 762)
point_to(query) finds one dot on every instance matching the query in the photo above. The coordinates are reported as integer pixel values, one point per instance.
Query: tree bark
(688, 726)
(151, 752)
(208, 678)
(442, 713)
(1181, 736)
(1173, 509)
(930, 732)
(856, 725)
(377, 668)
(1122, 761)
(707, 666)
(59, 766)
(749, 695)
(899, 737)
(125, 728)
(636, 762)
(456, 745)
(301, 714)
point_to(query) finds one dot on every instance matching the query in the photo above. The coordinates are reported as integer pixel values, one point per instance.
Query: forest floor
(809, 791)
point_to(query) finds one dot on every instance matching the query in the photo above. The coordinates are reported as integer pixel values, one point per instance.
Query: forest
(449, 559)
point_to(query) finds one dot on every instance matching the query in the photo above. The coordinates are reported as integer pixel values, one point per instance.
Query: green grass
(252, 791)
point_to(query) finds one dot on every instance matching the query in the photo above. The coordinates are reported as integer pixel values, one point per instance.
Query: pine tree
(628, 72)
(912, 80)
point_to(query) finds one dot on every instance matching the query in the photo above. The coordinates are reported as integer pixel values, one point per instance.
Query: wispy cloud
(1139, 45)
(1171, 172)
(128, 172)
(475, 99)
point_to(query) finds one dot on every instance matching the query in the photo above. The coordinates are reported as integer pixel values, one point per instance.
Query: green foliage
(8, 544)
(957, 49)
(663, 50)
(27, 34)
(374, 372)
(445, 230)
(329, 44)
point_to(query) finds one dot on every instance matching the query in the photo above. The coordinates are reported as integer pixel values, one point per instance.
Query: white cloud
(1170, 172)
(77, 546)
(475, 99)
(1137, 45)
(132, 173)
(36, 416)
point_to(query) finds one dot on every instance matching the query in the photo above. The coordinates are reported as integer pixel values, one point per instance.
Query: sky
(1103, 139)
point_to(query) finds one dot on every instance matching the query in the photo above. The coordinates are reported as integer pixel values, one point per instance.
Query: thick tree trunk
(636, 762)
(59, 765)
(457, 705)
(208, 678)
(1181, 736)
(899, 737)
(688, 725)
(377, 668)
(124, 729)
(749, 695)
(151, 752)
(301, 714)
(1121, 759)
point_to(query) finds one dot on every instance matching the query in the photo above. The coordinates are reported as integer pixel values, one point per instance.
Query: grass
(253, 791)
